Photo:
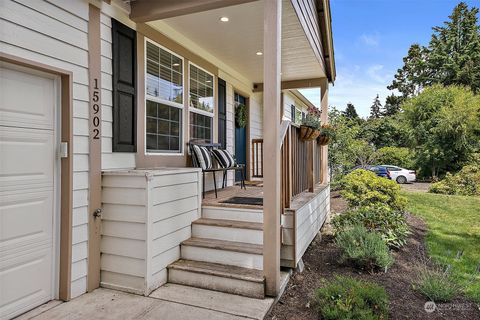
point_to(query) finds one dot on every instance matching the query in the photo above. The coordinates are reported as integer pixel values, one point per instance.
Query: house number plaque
(96, 110)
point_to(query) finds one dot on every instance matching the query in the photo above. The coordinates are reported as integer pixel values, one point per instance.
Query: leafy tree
(385, 131)
(392, 105)
(398, 156)
(452, 56)
(455, 49)
(415, 73)
(444, 128)
(350, 112)
(375, 109)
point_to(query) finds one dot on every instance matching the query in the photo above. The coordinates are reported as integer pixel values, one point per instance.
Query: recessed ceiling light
(259, 53)
(224, 19)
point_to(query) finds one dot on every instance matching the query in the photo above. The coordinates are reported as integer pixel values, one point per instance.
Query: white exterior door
(28, 173)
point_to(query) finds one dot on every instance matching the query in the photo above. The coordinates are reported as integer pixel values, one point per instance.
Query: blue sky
(370, 38)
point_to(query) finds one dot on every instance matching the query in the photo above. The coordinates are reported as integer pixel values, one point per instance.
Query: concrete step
(218, 277)
(232, 253)
(236, 214)
(228, 230)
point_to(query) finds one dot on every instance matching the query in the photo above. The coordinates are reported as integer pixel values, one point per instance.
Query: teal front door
(240, 138)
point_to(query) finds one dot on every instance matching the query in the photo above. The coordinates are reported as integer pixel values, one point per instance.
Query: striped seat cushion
(201, 157)
(224, 158)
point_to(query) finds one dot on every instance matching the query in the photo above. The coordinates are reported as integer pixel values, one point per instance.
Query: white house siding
(300, 226)
(110, 160)
(146, 215)
(55, 33)
(288, 100)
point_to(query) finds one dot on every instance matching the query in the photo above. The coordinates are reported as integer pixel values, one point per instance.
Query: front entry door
(240, 138)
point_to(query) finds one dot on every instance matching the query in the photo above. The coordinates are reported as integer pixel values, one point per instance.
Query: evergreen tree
(375, 109)
(455, 49)
(452, 56)
(415, 73)
(350, 112)
(392, 105)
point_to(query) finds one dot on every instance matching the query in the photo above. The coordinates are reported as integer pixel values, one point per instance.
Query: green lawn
(453, 225)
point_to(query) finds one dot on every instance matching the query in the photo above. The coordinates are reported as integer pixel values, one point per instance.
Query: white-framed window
(202, 103)
(164, 93)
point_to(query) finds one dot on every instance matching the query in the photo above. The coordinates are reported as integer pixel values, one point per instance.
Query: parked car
(381, 171)
(401, 175)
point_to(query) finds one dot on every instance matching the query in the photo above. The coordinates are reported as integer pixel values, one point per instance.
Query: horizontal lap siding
(145, 218)
(110, 160)
(310, 219)
(124, 232)
(175, 204)
(55, 33)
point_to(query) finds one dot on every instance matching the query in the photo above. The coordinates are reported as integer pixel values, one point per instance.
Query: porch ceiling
(234, 44)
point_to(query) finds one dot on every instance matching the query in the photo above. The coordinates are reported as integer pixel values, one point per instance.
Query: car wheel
(401, 179)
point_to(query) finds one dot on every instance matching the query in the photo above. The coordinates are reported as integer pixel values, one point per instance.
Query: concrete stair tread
(229, 223)
(220, 270)
(224, 245)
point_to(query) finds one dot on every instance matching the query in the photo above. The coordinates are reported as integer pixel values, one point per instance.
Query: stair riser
(232, 258)
(227, 234)
(211, 282)
(232, 214)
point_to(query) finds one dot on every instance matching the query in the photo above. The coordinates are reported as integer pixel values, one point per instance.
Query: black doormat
(245, 200)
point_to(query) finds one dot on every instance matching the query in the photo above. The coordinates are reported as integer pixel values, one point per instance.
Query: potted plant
(310, 127)
(326, 133)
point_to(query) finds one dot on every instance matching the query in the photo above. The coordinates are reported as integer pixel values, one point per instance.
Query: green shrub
(390, 224)
(465, 183)
(364, 188)
(397, 156)
(345, 298)
(363, 248)
(437, 285)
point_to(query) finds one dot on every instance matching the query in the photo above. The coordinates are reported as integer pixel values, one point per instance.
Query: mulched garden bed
(322, 263)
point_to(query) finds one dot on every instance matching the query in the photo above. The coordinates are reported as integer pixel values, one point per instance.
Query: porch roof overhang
(232, 46)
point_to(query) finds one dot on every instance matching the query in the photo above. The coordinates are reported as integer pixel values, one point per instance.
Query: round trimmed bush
(365, 188)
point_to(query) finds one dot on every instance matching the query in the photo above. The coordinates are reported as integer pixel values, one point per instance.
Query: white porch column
(271, 140)
(324, 119)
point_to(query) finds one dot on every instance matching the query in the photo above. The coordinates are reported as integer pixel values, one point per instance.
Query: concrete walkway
(169, 302)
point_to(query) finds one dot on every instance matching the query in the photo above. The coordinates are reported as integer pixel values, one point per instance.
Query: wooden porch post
(324, 119)
(271, 137)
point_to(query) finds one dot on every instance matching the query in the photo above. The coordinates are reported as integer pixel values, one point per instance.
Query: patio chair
(202, 158)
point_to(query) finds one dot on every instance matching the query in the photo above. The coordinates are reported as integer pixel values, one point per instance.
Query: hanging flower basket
(323, 140)
(326, 133)
(308, 133)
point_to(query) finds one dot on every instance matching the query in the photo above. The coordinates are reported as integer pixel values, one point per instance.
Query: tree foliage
(376, 108)
(452, 56)
(392, 105)
(444, 127)
(350, 111)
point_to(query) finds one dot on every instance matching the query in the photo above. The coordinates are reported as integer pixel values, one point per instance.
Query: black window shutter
(292, 113)
(222, 113)
(124, 62)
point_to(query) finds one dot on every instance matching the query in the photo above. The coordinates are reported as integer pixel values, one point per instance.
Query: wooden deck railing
(300, 165)
(257, 158)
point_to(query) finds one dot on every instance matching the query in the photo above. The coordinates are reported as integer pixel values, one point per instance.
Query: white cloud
(371, 40)
(377, 73)
(357, 86)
